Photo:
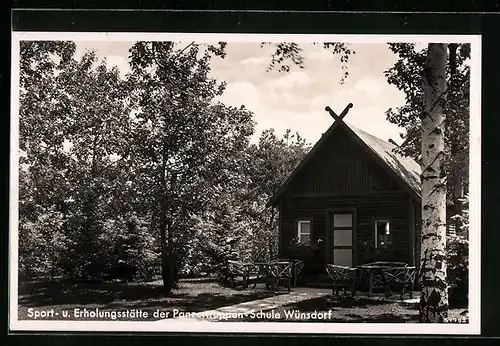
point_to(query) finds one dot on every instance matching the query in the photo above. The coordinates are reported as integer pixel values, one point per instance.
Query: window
(383, 235)
(304, 231)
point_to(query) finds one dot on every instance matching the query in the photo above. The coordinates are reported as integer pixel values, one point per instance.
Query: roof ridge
(353, 127)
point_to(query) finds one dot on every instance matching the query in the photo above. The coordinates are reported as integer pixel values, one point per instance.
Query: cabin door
(342, 233)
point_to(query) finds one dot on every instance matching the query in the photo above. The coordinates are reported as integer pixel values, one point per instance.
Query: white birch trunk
(434, 296)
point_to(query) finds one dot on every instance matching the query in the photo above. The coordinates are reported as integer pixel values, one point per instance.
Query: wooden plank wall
(341, 166)
(392, 206)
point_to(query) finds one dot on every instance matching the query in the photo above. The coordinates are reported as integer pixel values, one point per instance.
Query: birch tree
(405, 76)
(434, 295)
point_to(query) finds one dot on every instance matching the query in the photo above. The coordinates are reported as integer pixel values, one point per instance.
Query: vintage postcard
(325, 184)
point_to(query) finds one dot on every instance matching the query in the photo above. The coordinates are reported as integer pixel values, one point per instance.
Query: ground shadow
(391, 318)
(355, 310)
(326, 303)
(192, 296)
(65, 292)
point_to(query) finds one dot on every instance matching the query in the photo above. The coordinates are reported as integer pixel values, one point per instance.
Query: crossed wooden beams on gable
(342, 115)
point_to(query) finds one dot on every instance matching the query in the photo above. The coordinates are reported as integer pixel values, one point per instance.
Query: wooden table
(375, 273)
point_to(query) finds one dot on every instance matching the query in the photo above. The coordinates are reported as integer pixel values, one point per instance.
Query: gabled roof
(404, 166)
(404, 169)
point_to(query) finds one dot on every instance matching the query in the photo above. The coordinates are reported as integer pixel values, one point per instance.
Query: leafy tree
(406, 76)
(224, 232)
(41, 125)
(97, 130)
(452, 158)
(42, 245)
(239, 225)
(271, 161)
(289, 54)
(184, 144)
(463, 217)
(73, 131)
(90, 162)
(131, 248)
(42, 160)
(457, 251)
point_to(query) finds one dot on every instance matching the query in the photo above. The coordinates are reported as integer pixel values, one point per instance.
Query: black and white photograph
(245, 183)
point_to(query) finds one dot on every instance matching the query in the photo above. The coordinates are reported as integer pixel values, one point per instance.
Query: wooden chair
(258, 272)
(298, 269)
(280, 271)
(237, 269)
(342, 277)
(402, 278)
(377, 277)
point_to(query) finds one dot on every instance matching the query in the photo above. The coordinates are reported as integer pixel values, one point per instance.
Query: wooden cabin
(352, 200)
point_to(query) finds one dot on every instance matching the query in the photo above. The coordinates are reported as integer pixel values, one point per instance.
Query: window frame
(299, 230)
(376, 221)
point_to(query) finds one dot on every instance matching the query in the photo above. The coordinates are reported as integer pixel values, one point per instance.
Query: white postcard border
(472, 328)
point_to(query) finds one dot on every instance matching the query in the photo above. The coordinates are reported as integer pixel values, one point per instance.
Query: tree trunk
(169, 277)
(456, 165)
(164, 254)
(165, 229)
(458, 192)
(434, 296)
(167, 257)
(270, 228)
(165, 263)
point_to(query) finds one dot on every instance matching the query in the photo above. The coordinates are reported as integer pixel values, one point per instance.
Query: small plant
(303, 251)
(463, 217)
(370, 253)
(457, 253)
